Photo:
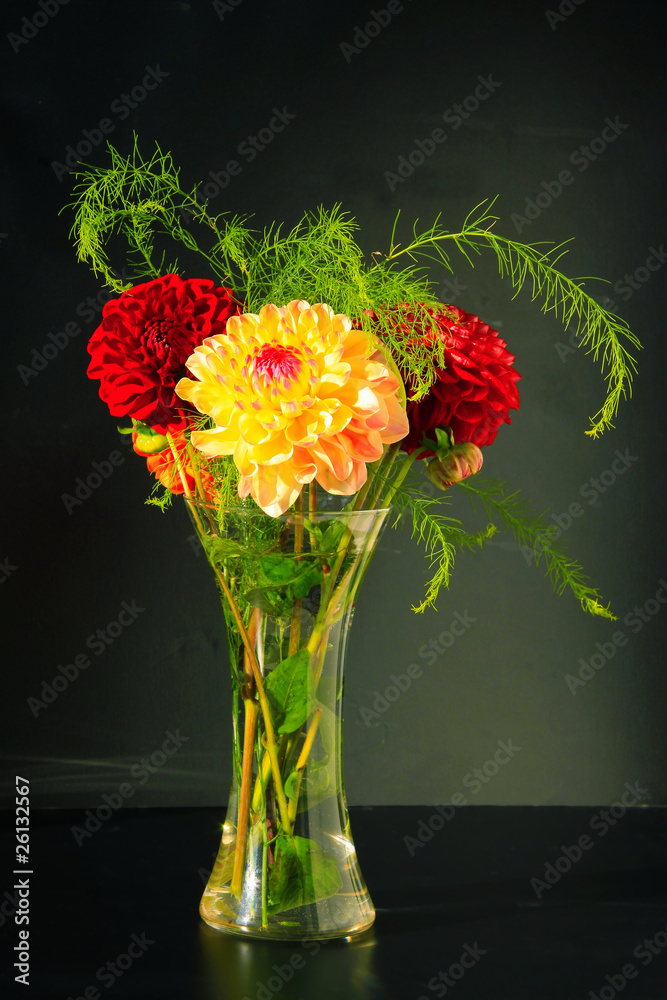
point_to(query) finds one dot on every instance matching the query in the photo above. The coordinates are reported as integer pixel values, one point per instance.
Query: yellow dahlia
(296, 394)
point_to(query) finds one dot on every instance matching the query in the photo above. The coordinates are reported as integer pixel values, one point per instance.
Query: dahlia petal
(214, 443)
(367, 400)
(272, 493)
(276, 451)
(252, 431)
(398, 424)
(343, 487)
(357, 343)
(362, 447)
(331, 455)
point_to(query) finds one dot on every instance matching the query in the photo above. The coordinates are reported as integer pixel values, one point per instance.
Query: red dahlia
(146, 336)
(474, 392)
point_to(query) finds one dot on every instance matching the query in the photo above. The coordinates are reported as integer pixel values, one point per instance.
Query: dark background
(67, 574)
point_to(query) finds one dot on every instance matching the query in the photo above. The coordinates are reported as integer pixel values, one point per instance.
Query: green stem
(271, 745)
(400, 476)
(301, 763)
(331, 614)
(265, 866)
(262, 779)
(377, 472)
(186, 489)
(312, 511)
(251, 712)
(251, 709)
(295, 630)
(181, 472)
(381, 477)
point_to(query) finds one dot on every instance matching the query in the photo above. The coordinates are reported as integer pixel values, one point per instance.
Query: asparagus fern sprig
(533, 530)
(320, 259)
(530, 265)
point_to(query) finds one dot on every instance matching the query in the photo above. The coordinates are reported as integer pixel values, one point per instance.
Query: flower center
(165, 346)
(157, 333)
(275, 363)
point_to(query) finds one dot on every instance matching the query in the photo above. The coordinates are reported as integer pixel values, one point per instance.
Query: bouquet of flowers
(296, 397)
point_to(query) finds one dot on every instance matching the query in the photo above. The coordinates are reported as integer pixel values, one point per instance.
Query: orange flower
(164, 467)
(296, 395)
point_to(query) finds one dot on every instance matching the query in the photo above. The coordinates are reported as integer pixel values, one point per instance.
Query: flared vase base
(215, 911)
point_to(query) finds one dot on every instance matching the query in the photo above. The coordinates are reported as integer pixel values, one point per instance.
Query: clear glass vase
(287, 866)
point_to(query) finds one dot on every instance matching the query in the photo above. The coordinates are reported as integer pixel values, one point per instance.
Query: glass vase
(287, 866)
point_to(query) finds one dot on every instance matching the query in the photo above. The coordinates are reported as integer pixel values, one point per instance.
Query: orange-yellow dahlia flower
(296, 394)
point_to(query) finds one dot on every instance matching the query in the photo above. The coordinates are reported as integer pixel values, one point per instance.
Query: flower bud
(462, 461)
(146, 441)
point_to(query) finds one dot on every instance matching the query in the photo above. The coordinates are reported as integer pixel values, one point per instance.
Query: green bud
(147, 441)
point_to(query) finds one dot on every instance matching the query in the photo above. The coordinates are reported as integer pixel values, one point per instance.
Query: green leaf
(289, 691)
(297, 576)
(332, 535)
(259, 598)
(277, 570)
(445, 442)
(312, 784)
(291, 783)
(327, 533)
(219, 549)
(304, 583)
(302, 873)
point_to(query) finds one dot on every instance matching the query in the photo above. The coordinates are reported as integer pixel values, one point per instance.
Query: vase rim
(238, 509)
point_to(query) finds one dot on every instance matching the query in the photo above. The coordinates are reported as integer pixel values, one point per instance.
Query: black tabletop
(503, 903)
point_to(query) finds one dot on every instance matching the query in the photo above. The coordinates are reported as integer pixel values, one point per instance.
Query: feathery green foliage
(535, 531)
(526, 264)
(439, 534)
(320, 260)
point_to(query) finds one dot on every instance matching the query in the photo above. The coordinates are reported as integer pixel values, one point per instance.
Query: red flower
(146, 336)
(474, 392)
